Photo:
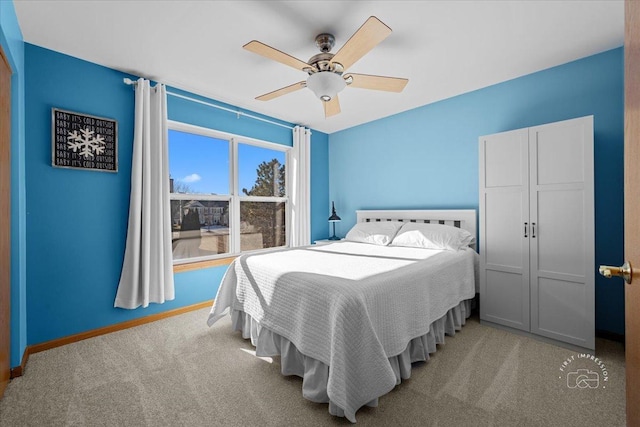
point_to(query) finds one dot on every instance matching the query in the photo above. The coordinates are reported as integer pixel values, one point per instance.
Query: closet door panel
(561, 309)
(505, 294)
(503, 301)
(504, 211)
(559, 238)
(562, 251)
(504, 233)
(503, 160)
(559, 282)
(560, 153)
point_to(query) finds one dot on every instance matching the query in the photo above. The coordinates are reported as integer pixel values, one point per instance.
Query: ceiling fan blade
(276, 55)
(372, 32)
(366, 81)
(282, 91)
(331, 108)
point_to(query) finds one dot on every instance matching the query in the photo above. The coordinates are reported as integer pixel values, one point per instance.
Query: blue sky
(202, 162)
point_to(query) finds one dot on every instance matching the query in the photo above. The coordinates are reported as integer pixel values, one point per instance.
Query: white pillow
(432, 236)
(378, 233)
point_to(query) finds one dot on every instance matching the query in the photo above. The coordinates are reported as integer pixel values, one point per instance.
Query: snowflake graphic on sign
(84, 141)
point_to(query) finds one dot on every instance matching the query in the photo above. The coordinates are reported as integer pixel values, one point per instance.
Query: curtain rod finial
(128, 81)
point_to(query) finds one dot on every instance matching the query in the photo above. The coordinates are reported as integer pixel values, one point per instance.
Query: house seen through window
(228, 193)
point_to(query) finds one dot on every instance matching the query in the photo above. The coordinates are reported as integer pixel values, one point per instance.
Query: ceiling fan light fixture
(326, 84)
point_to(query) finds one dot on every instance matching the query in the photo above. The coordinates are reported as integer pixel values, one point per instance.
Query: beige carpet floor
(179, 372)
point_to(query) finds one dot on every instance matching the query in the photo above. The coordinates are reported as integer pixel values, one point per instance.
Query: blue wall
(13, 47)
(428, 157)
(77, 219)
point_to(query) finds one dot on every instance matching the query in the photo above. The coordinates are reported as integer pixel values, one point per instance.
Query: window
(228, 193)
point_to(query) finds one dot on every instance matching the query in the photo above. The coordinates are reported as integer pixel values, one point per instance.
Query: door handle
(625, 271)
(533, 230)
(526, 224)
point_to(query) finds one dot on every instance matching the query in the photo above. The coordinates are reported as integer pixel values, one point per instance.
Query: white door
(562, 274)
(504, 229)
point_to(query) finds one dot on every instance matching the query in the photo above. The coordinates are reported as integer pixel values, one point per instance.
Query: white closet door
(562, 240)
(504, 229)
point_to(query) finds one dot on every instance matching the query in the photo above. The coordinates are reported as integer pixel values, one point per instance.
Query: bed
(349, 317)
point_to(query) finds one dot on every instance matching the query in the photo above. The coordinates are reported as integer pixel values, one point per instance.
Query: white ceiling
(444, 48)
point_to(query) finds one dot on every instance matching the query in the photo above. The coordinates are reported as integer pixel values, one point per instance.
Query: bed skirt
(315, 374)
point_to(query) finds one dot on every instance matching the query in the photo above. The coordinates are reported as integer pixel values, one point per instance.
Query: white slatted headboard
(462, 218)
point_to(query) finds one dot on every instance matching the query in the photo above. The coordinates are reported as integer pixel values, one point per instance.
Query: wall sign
(81, 141)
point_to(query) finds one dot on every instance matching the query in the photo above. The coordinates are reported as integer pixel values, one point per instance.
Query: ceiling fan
(326, 70)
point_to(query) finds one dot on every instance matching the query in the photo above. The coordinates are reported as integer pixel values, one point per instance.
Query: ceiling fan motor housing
(325, 42)
(322, 62)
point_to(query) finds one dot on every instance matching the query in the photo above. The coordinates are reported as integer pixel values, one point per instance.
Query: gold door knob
(623, 271)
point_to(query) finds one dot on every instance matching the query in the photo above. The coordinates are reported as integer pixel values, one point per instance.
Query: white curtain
(300, 188)
(147, 271)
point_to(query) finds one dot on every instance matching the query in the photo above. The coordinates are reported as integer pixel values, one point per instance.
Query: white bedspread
(349, 305)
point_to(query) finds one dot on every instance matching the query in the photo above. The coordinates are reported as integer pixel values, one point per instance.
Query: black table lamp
(333, 219)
